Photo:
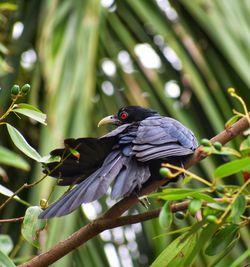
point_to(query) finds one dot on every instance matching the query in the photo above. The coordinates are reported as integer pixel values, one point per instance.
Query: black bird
(126, 157)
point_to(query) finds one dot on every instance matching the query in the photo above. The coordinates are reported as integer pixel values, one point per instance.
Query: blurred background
(85, 60)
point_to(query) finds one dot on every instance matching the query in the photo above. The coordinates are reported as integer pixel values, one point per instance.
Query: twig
(112, 215)
(11, 220)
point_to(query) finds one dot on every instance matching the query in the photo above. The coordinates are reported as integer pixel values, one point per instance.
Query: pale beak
(108, 120)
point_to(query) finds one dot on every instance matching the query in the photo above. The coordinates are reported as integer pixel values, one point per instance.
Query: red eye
(124, 115)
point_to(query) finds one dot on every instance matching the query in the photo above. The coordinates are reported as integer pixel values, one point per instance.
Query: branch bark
(112, 217)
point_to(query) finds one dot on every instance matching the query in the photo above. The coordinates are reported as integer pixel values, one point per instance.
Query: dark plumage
(126, 157)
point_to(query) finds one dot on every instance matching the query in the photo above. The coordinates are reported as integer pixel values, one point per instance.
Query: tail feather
(88, 190)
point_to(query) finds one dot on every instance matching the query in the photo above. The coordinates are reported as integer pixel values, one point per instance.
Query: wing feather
(162, 137)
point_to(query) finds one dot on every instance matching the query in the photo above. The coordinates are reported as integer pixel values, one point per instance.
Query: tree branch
(112, 217)
(19, 219)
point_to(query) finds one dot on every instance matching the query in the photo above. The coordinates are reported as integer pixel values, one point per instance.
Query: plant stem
(233, 200)
(194, 176)
(10, 108)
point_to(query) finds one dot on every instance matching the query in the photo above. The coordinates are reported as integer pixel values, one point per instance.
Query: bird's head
(127, 115)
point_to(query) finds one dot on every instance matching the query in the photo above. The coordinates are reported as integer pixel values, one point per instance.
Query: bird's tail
(126, 173)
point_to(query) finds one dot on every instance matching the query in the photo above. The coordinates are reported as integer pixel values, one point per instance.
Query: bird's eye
(124, 115)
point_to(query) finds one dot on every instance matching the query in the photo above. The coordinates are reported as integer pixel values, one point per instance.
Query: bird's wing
(92, 188)
(162, 137)
(79, 158)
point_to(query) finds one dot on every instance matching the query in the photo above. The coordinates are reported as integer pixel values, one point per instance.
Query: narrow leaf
(33, 114)
(194, 206)
(5, 261)
(10, 158)
(166, 216)
(27, 106)
(8, 193)
(204, 236)
(22, 144)
(32, 226)
(6, 244)
(245, 145)
(232, 167)
(238, 208)
(226, 151)
(177, 194)
(8, 6)
(222, 239)
(224, 253)
(174, 250)
(232, 120)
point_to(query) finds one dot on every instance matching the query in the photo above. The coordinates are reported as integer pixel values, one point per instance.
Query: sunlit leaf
(8, 6)
(10, 158)
(33, 114)
(5, 261)
(22, 144)
(232, 167)
(32, 226)
(8, 193)
(6, 244)
(232, 120)
(27, 106)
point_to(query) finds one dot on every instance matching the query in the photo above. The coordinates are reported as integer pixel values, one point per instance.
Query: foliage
(201, 50)
(226, 213)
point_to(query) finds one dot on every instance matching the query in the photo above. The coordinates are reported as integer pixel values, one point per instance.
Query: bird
(125, 158)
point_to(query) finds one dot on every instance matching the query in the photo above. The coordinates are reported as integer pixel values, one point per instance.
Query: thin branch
(19, 219)
(112, 215)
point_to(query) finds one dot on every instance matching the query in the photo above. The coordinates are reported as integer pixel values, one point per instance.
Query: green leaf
(217, 206)
(226, 151)
(232, 120)
(222, 239)
(6, 244)
(245, 145)
(75, 153)
(8, 6)
(177, 194)
(10, 158)
(232, 167)
(176, 252)
(22, 144)
(166, 215)
(238, 208)
(33, 114)
(224, 253)
(194, 206)
(203, 196)
(5, 261)
(3, 49)
(184, 229)
(204, 236)
(8, 193)
(32, 226)
(27, 106)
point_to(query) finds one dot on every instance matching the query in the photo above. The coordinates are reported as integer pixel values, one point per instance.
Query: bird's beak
(108, 120)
